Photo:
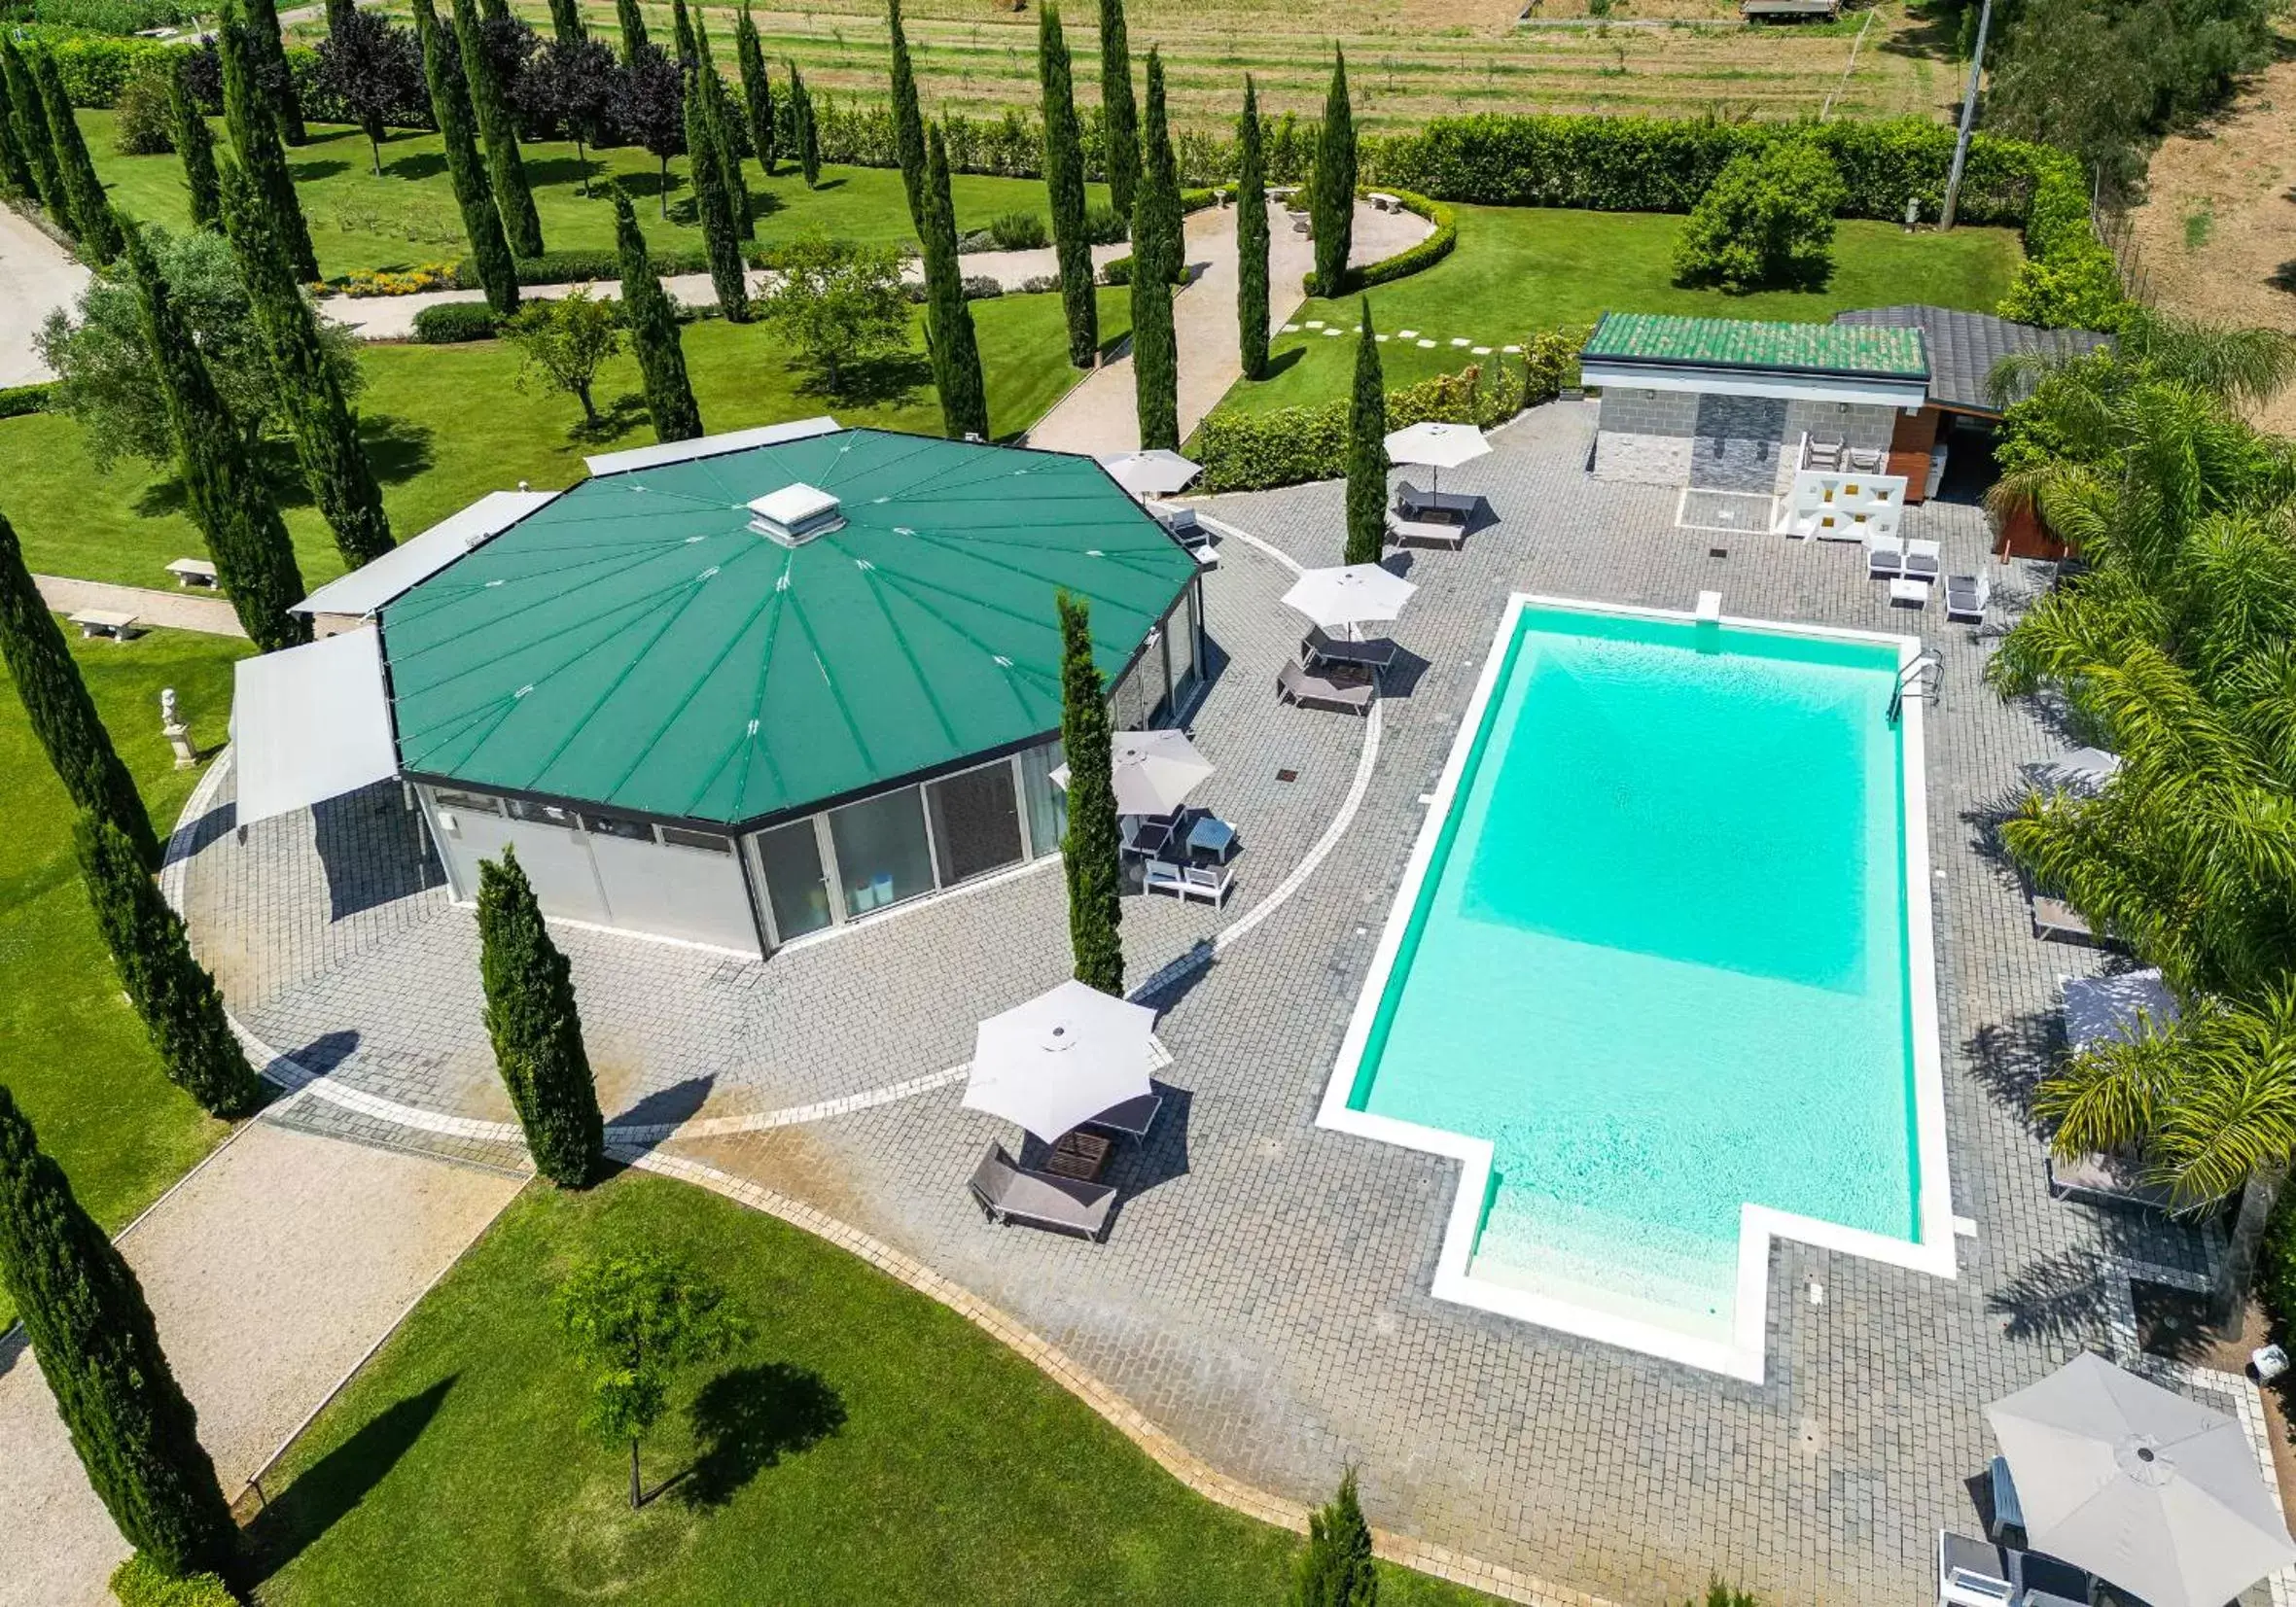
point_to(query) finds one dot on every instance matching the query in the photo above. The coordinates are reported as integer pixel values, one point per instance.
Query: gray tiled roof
(1964, 346)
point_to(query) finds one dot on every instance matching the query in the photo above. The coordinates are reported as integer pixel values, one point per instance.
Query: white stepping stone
(1381, 338)
(1291, 329)
(1458, 340)
(1314, 323)
(1426, 345)
(1329, 333)
(1482, 351)
(1406, 335)
(1515, 351)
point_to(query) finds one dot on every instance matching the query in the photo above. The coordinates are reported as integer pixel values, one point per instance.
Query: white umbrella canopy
(2146, 1490)
(2081, 771)
(1437, 446)
(1350, 595)
(1155, 472)
(1153, 771)
(1062, 1059)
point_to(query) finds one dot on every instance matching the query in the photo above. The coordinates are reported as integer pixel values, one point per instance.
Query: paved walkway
(392, 317)
(37, 276)
(272, 1269)
(1262, 1296)
(179, 611)
(1102, 414)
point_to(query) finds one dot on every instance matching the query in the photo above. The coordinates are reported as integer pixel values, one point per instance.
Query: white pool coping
(1743, 1355)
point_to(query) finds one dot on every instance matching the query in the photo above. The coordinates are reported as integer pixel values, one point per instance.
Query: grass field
(867, 1447)
(71, 1050)
(1409, 59)
(407, 215)
(447, 424)
(1521, 269)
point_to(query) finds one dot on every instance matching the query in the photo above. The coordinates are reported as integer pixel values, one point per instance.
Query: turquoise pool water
(1659, 960)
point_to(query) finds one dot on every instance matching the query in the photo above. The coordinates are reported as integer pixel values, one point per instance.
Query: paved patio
(1264, 1292)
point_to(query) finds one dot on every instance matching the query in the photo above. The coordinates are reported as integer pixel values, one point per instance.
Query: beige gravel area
(37, 276)
(272, 1269)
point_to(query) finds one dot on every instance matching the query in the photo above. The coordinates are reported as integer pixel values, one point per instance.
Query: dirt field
(1409, 59)
(2216, 237)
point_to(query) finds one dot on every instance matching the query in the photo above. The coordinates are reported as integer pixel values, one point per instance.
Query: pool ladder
(1920, 678)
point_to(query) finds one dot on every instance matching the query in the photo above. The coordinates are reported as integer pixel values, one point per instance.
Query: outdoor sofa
(1294, 684)
(1966, 597)
(1976, 1573)
(1010, 1192)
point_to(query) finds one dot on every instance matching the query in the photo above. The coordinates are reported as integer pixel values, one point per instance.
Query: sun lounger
(1425, 532)
(2058, 921)
(1010, 1192)
(1293, 684)
(1412, 503)
(1866, 460)
(2106, 1179)
(1319, 648)
(1966, 597)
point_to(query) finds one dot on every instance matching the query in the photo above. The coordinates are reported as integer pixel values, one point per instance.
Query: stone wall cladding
(1858, 425)
(1652, 460)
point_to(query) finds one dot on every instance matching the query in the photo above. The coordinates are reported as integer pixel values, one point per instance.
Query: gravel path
(181, 610)
(272, 1269)
(37, 276)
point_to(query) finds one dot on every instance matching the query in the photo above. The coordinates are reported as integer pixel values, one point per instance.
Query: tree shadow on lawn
(616, 419)
(566, 171)
(747, 1419)
(310, 172)
(323, 1492)
(416, 165)
(398, 449)
(875, 382)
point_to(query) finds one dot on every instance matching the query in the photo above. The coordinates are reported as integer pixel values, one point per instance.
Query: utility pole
(1960, 146)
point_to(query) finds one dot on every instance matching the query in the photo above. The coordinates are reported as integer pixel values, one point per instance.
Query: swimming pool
(1660, 975)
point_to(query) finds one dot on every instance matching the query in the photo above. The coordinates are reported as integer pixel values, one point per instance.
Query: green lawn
(867, 1447)
(1517, 270)
(71, 1051)
(407, 215)
(447, 424)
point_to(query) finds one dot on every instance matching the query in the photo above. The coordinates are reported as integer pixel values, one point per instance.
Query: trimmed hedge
(1256, 451)
(598, 267)
(1411, 259)
(140, 1581)
(98, 67)
(18, 400)
(2069, 278)
(451, 322)
(1116, 270)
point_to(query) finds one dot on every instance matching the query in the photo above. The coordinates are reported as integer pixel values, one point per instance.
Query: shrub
(19, 401)
(1103, 224)
(1550, 362)
(1256, 451)
(112, 17)
(1037, 284)
(361, 283)
(1116, 270)
(1411, 259)
(140, 1582)
(979, 287)
(145, 126)
(2069, 279)
(1195, 201)
(1018, 232)
(1766, 223)
(979, 239)
(453, 322)
(574, 268)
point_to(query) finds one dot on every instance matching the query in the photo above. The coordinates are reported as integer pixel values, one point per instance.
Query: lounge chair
(1010, 1192)
(2055, 920)
(1966, 597)
(1924, 560)
(1318, 646)
(1976, 1573)
(1885, 558)
(2116, 1178)
(1866, 460)
(1407, 532)
(1209, 883)
(1293, 684)
(1413, 503)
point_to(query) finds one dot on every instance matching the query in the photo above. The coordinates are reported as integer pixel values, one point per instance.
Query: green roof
(636, 643)
(1745, 344)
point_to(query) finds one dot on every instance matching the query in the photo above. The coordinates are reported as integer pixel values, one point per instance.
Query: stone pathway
(1262, 1296)
(1102, 414)
(179, 611)
(272, 1269)
(37, 276)
(392, 317)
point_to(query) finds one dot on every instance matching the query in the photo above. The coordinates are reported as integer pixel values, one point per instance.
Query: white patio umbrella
(1062, 1059)
(2146, 1490)
(1437, 446)
(1151, 474)
(2079, 769)
(1153, 771)
(1350, 595)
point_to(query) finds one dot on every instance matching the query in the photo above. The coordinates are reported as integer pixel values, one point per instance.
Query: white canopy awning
(415, 560)
(309, 723)
(708, 446)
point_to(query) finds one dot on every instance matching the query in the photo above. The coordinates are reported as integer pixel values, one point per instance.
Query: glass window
(475, 803)
(541, 814)
(1047, 804)
(619, 825)
(975, 821)
(1140, 691)
(794, 886)
(882, 856)
(1179, 647)
(680, 837)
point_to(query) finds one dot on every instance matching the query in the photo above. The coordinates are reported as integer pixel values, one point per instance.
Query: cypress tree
(255, 136)
(802, 121)
(1155, 263)
(566, 22)
(908, 124)
(497, 129)
(450, 105)
(1332, 201)
(195, 143)
(1120, 113)
(229, 501)
(757, 88)
(681, 25)
(633, 28)
(326, 436)
(1063, 179)
(1159, 182)
(653, 331)
(16, 163)
(90, 218)
(98, 1348)
(726, 274)
(268, 51)
(537, 1035)
(1089, 853)
(58, 709)
(724, 134)
(1366, 451)
(1252, 240)
(181, 1012)
(948, 319)
(27, 112)
(1335, 1569)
